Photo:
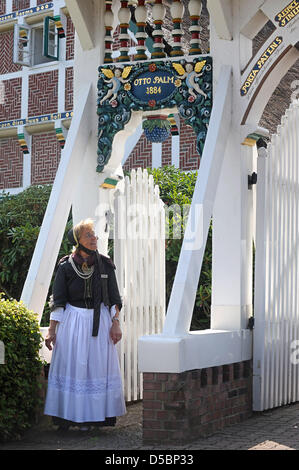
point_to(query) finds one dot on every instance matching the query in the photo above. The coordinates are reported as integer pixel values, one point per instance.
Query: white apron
(84, 382)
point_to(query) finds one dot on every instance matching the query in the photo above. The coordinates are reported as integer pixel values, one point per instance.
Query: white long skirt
(84, 381)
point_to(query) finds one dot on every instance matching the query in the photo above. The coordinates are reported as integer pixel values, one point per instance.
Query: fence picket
(139, 254)
(277, 241)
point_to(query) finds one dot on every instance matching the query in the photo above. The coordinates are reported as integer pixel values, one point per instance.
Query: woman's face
(88, 239)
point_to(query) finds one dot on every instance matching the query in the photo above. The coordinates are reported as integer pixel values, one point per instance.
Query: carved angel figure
(116, 78)
(190, 74)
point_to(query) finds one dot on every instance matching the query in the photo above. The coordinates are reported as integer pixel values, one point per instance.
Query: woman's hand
(115, 332)
(50, 338)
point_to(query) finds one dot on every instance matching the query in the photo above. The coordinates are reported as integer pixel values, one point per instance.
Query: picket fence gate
(139, 254)
(276, 309)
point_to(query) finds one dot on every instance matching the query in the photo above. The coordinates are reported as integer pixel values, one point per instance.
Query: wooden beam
(221, 14)
(42, 265)
(82, 14)
(181, 303)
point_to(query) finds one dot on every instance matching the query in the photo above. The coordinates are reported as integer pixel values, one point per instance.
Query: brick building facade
(31, 95)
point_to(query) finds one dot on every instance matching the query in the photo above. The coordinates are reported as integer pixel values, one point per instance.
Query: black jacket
(70, 288)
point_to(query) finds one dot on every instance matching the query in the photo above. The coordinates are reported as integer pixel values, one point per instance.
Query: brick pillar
(180, 407)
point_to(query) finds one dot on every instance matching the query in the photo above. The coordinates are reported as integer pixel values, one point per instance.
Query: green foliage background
(21, 216)
(176, 188)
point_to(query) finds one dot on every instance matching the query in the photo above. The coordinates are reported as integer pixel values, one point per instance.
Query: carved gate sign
(123, 88)
(158, 86)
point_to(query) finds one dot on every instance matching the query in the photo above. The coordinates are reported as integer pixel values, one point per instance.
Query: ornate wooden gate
(139, 253)
(276, 330)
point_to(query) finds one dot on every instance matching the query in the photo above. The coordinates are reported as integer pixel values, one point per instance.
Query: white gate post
(260, 279)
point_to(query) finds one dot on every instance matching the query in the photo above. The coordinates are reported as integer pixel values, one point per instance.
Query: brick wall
(11, 163)
(189, 157)
(45, 158)
(69, 75)
(70, 39)
(2, 7)
(180, 407)
(11, 108)
(166, 152)
(43, 93)
(141, 156)
(6, 53)
(20, 5)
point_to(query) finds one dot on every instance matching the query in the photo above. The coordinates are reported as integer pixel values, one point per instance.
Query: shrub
(21, 216)
(20, 374)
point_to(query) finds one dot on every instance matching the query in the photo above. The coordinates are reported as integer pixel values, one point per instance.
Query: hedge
(20, 374)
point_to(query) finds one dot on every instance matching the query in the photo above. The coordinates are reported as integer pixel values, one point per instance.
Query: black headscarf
(100, 280)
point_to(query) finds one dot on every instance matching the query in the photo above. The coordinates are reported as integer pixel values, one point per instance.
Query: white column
(156, 155)
(26, 158)
(232, 220)
(226, 259)
(175, 151)
(8, 6)
(22, 130)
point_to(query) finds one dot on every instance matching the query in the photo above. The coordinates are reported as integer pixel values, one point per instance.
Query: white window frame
(25, 55)
(22, 55)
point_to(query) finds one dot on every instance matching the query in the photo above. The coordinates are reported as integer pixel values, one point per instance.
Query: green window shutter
(51, 38)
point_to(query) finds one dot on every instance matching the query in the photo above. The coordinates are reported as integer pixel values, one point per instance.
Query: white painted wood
(156, 155)
(275, 371)
(22, 55)
(8, 6)
(221, 14)
(139, 254)
(83, 20)
(175, 151)
(37, 283)
(195, 350)
(185, 284)
(26, 158)
(254, 25)
(131, 142)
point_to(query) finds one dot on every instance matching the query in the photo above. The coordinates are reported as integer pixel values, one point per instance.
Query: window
(22, 53)
(51, 38)
(38, 43)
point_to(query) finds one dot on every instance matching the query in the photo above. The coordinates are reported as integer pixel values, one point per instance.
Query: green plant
(151, 124)
(21, 216)
(176, 191)
(20, 374)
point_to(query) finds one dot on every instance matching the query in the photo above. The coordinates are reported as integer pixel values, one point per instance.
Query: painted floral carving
(186, 84)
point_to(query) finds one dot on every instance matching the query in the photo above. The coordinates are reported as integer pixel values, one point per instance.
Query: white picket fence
(276, 330)
(139, 254)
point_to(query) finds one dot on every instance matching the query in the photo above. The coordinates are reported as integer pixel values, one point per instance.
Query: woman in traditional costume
(84, 381)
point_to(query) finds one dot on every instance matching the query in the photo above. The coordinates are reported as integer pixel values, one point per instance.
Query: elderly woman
(84, 382)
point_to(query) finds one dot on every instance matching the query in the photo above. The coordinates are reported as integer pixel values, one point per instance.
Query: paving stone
(275, 430)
